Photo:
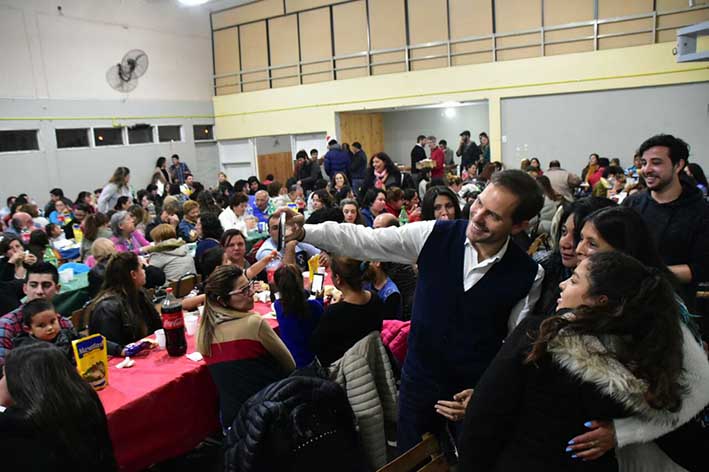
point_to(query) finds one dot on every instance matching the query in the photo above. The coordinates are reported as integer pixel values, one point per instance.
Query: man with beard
(675, 212)
(473, 288)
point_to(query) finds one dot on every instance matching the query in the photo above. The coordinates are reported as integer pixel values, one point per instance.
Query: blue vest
(456, 333)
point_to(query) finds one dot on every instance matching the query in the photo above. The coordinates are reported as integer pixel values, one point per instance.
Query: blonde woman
(101, 251)
(241, 350)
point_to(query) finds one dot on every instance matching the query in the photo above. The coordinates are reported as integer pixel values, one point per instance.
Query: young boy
(41, 323)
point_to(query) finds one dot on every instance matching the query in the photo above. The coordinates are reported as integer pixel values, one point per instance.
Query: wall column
(495, 125)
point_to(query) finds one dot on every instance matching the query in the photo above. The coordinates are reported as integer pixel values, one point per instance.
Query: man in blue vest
(474, 286)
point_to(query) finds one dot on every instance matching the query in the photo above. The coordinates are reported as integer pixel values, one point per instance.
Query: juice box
(92, 360)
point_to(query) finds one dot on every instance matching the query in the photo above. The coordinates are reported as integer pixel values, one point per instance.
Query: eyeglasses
(245, 290)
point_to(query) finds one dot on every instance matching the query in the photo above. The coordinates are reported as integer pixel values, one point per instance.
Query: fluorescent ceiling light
(192, 3)
(451, 104)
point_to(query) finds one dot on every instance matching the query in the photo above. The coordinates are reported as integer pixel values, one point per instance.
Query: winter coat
(172, 256)
(366, 375)
(299, 423)
(110, 195)
(395, 335)
(337, 160)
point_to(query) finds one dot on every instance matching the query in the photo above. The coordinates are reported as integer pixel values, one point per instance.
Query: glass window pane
(140, 134)
(19, 140)
(203, 132)
(71, 138)
(108, 136)
(169, 133)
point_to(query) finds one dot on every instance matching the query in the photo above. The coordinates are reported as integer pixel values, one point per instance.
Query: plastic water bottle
(403, 217)
(174, 325)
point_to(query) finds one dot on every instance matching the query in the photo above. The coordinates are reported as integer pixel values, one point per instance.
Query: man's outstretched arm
(392, 244)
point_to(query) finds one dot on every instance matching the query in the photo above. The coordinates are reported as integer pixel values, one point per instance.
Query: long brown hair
(118, 283)
(641, 311)
(548, 190)
(289, 282)
(119, 177)
(216, 291)
(351, 271)
(92, 223)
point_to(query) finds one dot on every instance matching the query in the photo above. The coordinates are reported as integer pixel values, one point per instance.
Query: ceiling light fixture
(193, 3)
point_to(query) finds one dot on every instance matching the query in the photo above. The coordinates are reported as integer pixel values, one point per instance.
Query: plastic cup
(160, 338)
(191, 322)
(66, 275)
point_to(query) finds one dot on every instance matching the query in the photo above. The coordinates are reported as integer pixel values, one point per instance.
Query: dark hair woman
(622, 229)
(552, 200)
(94, 226)
(50, 406)
(117, 187)
(616, 352)
(321, 199)
(440, 203)
(209, 230)
(373, 204)
(561, 261)
(161, 177)
(382, 173)
(241, 350)
(359, 313)
(350, 211)
(122, 311)
(695, 171)
(297, 316)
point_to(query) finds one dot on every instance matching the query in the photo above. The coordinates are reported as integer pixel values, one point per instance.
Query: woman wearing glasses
(241, 350)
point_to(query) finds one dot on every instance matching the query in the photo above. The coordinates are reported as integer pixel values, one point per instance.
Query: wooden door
(280, 164)
(367, 128)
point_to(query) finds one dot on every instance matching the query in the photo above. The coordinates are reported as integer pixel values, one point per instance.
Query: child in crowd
(41, 324)
(55, 233)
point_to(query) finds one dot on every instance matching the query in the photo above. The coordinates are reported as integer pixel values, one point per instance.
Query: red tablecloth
(161, 407)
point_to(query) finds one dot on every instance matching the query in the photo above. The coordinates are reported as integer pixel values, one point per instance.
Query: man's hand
(454, 410)
(324, 259)
(295, 220)
(592, 445)
(30, 259)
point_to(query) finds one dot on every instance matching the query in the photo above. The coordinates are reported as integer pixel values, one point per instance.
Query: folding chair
(184, 285)
(426, 456)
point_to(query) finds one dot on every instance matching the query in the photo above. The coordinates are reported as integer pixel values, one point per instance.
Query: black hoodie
(681, 230)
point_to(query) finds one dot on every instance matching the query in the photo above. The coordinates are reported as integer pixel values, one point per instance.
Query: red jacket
(439, 157)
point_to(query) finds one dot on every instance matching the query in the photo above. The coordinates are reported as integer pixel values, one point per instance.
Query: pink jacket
(395, 336)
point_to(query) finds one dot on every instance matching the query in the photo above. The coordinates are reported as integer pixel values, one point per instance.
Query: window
(108, 136)
(169, 133)
(19, 140)
(139, 134)
(72, 138)
(203, 132)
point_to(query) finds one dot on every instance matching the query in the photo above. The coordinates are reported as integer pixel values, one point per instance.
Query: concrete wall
(612, 123)
(402, 127)
(53, 76)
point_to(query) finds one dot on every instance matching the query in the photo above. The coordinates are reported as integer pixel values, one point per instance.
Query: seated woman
(12, 265)
(125, 237)
(241, 350)
(344, 323)
(373, 204)
(615, 352)
(350, 211)
(40, 247)
(94, 226)
(381, 285)
(122, 311)
(209, 232)
(101, 251)
(561, 262)
(186, 229)
(169, 253)
(49, 404)
(440, 203)
(297, 316)
(234, 244)
(61, 215)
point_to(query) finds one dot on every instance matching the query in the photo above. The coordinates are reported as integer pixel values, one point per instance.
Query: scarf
(381, 178)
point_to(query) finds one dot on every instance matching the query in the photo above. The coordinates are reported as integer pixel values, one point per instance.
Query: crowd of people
(553, 317)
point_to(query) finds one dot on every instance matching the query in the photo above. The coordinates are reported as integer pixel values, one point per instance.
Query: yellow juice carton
(313, 264)
(92, 360)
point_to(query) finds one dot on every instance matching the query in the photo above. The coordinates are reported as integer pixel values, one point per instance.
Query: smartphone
(316, 285)
(281, 232)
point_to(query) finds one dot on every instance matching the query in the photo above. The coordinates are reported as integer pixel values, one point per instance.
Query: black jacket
(109, 318)
(681, 230)
(418, 153)
(554, 274)
(358, 165)
(522, 415)
(393, 180)
(298, 423)
(62, 341)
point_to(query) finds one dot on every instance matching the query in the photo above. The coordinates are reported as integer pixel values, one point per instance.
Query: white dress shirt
(403, 245)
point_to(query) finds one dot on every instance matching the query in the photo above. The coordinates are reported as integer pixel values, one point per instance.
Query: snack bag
(313, 264)
(92, 360)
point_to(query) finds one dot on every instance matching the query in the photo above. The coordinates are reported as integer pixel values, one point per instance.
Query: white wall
(402, 127)
(46, 54)
(53, 76)
(611, 123)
